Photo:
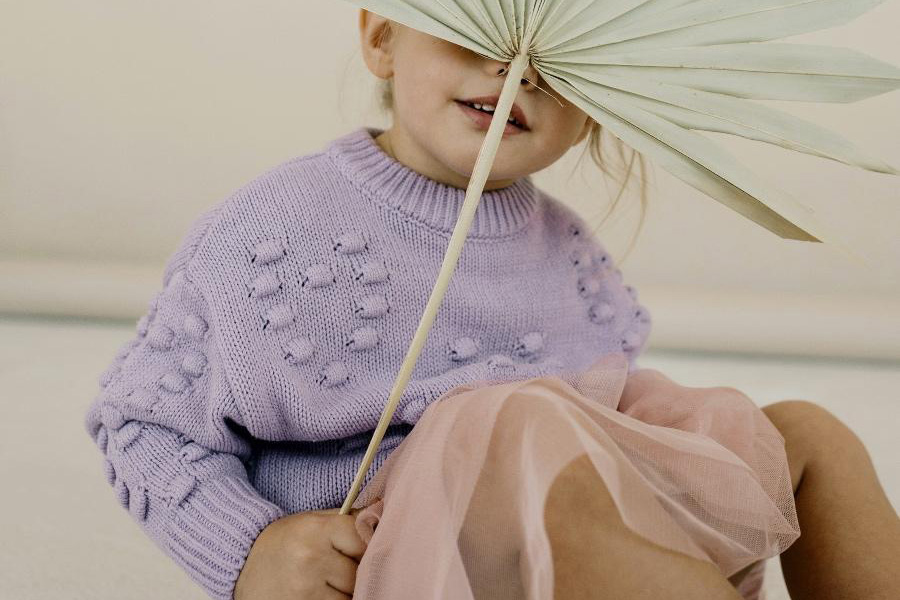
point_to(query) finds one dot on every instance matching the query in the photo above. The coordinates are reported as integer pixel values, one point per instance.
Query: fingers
(345, 539)
(341, 573)
(332, 594)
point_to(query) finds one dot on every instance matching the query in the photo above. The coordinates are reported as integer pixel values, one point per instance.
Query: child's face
(434, 134)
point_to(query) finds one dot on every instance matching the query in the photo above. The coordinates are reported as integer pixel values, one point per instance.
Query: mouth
(481, 110)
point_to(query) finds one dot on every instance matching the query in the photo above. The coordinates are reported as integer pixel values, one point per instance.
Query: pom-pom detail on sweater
(195, 327)
(588, 286)
(463, 348)
(601, 312)
(371, 306)
(264, 285)
(631, 341)
(529, 344)
(501, 363)
(298, 350)
(267, 252)
(161, 337)
(193, 363)
(278, 316)
(332, 374)
(362, 338)
(581, 258)
(373, 271)
(350, 243)
(318, 275)
(173, 382)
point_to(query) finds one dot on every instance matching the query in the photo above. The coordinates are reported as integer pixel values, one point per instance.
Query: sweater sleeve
(169, 429)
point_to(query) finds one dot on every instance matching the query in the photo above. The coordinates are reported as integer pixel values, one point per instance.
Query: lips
(483, 120)
(517, 113)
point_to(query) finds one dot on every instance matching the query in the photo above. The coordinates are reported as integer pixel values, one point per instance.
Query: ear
(376, 35)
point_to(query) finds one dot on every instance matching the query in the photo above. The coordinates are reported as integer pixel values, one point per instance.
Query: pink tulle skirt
(457, 511)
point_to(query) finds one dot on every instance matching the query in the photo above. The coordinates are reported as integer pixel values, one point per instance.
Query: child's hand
(311, 555)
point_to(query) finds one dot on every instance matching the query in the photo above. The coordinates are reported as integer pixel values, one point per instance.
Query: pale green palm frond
(706, 22)
(695, 160)
(655, 72)
(699, 109)
(772, 71)
(682, 65)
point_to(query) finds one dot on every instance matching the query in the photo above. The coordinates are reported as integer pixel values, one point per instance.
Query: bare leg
(849, 547)
(596, 555)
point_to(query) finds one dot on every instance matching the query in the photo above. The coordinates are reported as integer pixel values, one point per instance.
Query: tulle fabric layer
(457, 510)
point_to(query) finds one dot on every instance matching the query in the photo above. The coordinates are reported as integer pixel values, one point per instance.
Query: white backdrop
(121, 121)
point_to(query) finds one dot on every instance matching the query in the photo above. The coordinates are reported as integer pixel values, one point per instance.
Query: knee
(809, 430)
(803, 419)
(524, 408)
(580, 486)
(799, 407)
(508, 421)
(537, 426)
(578, 479)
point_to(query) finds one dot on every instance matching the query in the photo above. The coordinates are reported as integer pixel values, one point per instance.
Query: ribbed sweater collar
(390, 183)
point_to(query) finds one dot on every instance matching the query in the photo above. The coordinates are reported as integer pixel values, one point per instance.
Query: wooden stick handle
(473, 194)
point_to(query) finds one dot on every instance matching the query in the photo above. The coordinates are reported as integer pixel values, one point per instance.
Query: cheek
(421, 85)
(572, 120)
(563, 127)
(412, 98)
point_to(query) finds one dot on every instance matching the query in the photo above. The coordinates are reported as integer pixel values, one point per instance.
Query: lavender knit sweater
(256, 377)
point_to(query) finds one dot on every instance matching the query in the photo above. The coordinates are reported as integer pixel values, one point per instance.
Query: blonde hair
(595, 144)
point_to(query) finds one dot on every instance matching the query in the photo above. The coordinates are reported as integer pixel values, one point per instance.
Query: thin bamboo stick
(473, 195)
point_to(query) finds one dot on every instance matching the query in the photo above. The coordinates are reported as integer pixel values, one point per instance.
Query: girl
(528, 457)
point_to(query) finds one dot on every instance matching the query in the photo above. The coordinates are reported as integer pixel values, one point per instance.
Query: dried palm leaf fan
(651, 71)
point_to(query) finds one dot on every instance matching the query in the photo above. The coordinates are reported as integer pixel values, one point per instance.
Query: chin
(463, 155)
(498, 173)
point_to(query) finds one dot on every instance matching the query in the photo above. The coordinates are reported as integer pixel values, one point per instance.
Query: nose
(529, 77)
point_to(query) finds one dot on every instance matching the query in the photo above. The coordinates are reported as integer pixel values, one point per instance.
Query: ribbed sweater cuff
(211, 531)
